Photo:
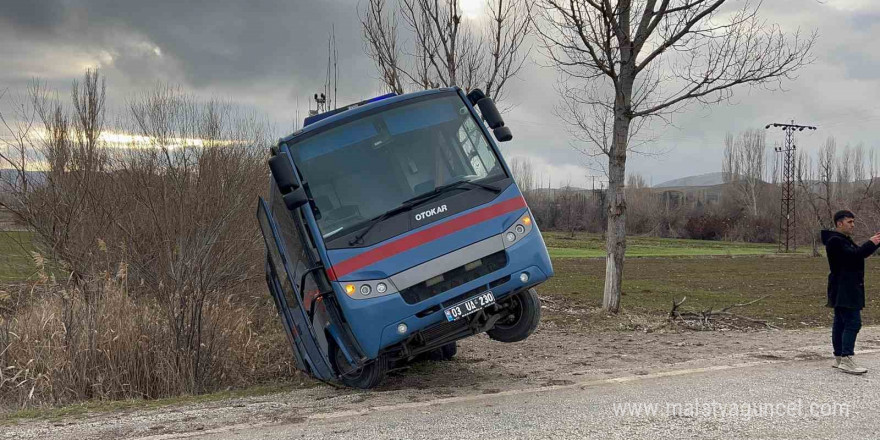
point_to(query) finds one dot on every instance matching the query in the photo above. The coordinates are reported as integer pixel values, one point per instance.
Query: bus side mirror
(285, 178)
(503, 134)
(283, 173)
(295, 199)
(490, 114)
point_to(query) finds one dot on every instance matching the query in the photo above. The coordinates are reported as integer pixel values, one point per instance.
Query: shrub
(157, 244)
(753, 230)
(60, 345)
(706, 227)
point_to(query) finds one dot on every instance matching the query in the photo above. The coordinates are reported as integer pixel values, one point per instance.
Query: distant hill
(709, 179)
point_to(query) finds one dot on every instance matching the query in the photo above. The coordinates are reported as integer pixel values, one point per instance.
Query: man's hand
(876, 239)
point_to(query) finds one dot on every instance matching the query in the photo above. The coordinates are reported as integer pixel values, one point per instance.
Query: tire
(366, 377)
(524, 320)
(444, 353)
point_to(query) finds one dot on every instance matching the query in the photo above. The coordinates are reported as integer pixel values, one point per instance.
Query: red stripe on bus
(419, 238)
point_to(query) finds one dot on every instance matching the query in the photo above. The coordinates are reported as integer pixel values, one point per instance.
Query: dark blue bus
(394, 228)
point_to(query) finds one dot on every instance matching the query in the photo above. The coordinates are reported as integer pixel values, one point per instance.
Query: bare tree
(19, 133)
(171, 208)
(636, 181)
(190, 192)
(571, 203)
(867, 187)
(826, 160)
(853, 184)
(817, 187)
(524, 172)
(444, 47)
(625, 61)
(647, 216)
(380, 37)
(743, 166)
(69, 148)
(844, 173)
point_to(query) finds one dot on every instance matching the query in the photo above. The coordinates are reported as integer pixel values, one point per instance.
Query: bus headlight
(518, 230)
(364, 290)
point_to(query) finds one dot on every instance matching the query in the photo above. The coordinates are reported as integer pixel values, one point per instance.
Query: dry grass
(58, 346)
(158, 257)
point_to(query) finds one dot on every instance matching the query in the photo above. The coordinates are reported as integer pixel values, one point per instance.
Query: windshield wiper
(481, 185)
(421, 198)
(444, 188)
(378, 219)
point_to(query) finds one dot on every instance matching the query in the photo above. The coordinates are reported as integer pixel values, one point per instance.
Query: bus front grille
(443, 330)
(454, 278)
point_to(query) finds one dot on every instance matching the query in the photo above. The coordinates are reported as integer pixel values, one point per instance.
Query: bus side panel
(299, 326)
(275, 291)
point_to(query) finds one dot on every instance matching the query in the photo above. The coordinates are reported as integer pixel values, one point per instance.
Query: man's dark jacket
(846, 282)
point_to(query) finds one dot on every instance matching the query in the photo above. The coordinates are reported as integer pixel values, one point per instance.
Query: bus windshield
(365, 167)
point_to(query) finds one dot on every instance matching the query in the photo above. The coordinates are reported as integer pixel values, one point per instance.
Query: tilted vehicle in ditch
(393, 229)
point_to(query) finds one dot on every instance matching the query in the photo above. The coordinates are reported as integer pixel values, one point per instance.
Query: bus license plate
(470, 306)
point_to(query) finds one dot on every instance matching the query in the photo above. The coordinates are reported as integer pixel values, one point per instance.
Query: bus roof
(371, 104)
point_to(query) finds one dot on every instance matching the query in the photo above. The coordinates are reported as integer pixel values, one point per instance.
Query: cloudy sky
(269, 54)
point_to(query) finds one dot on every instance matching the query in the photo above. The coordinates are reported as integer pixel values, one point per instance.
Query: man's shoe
(836, 362)
(847, 365)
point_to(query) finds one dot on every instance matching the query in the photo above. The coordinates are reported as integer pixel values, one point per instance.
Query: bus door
(282, 270)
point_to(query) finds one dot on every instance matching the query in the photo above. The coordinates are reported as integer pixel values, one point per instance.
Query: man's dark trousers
(847, 323)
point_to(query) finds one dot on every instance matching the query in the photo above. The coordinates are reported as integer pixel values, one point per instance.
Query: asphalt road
(761, 399)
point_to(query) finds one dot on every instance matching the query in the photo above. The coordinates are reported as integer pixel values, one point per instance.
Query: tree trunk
(615, 236)
(753, 190)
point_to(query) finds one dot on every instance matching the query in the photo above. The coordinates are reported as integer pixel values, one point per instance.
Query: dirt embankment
(552, 356)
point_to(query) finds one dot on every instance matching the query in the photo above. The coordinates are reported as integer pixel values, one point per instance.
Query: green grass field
(582, 245)
(16, 258)
(794, 285)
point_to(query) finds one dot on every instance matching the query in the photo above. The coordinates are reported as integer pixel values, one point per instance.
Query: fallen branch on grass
(703, 319)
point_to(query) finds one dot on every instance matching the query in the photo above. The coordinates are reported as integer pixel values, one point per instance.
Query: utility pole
(787, 211)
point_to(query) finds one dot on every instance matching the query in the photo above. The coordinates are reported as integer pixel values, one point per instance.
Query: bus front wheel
(365, 377)
(525, 313)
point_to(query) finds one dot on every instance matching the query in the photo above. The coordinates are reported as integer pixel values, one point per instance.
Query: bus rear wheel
(525, 308)
(365, 377)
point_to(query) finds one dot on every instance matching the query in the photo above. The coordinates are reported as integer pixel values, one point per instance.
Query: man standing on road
(846, 287)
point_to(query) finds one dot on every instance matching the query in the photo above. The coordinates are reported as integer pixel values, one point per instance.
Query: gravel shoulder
(765, 399)
(553, 356)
